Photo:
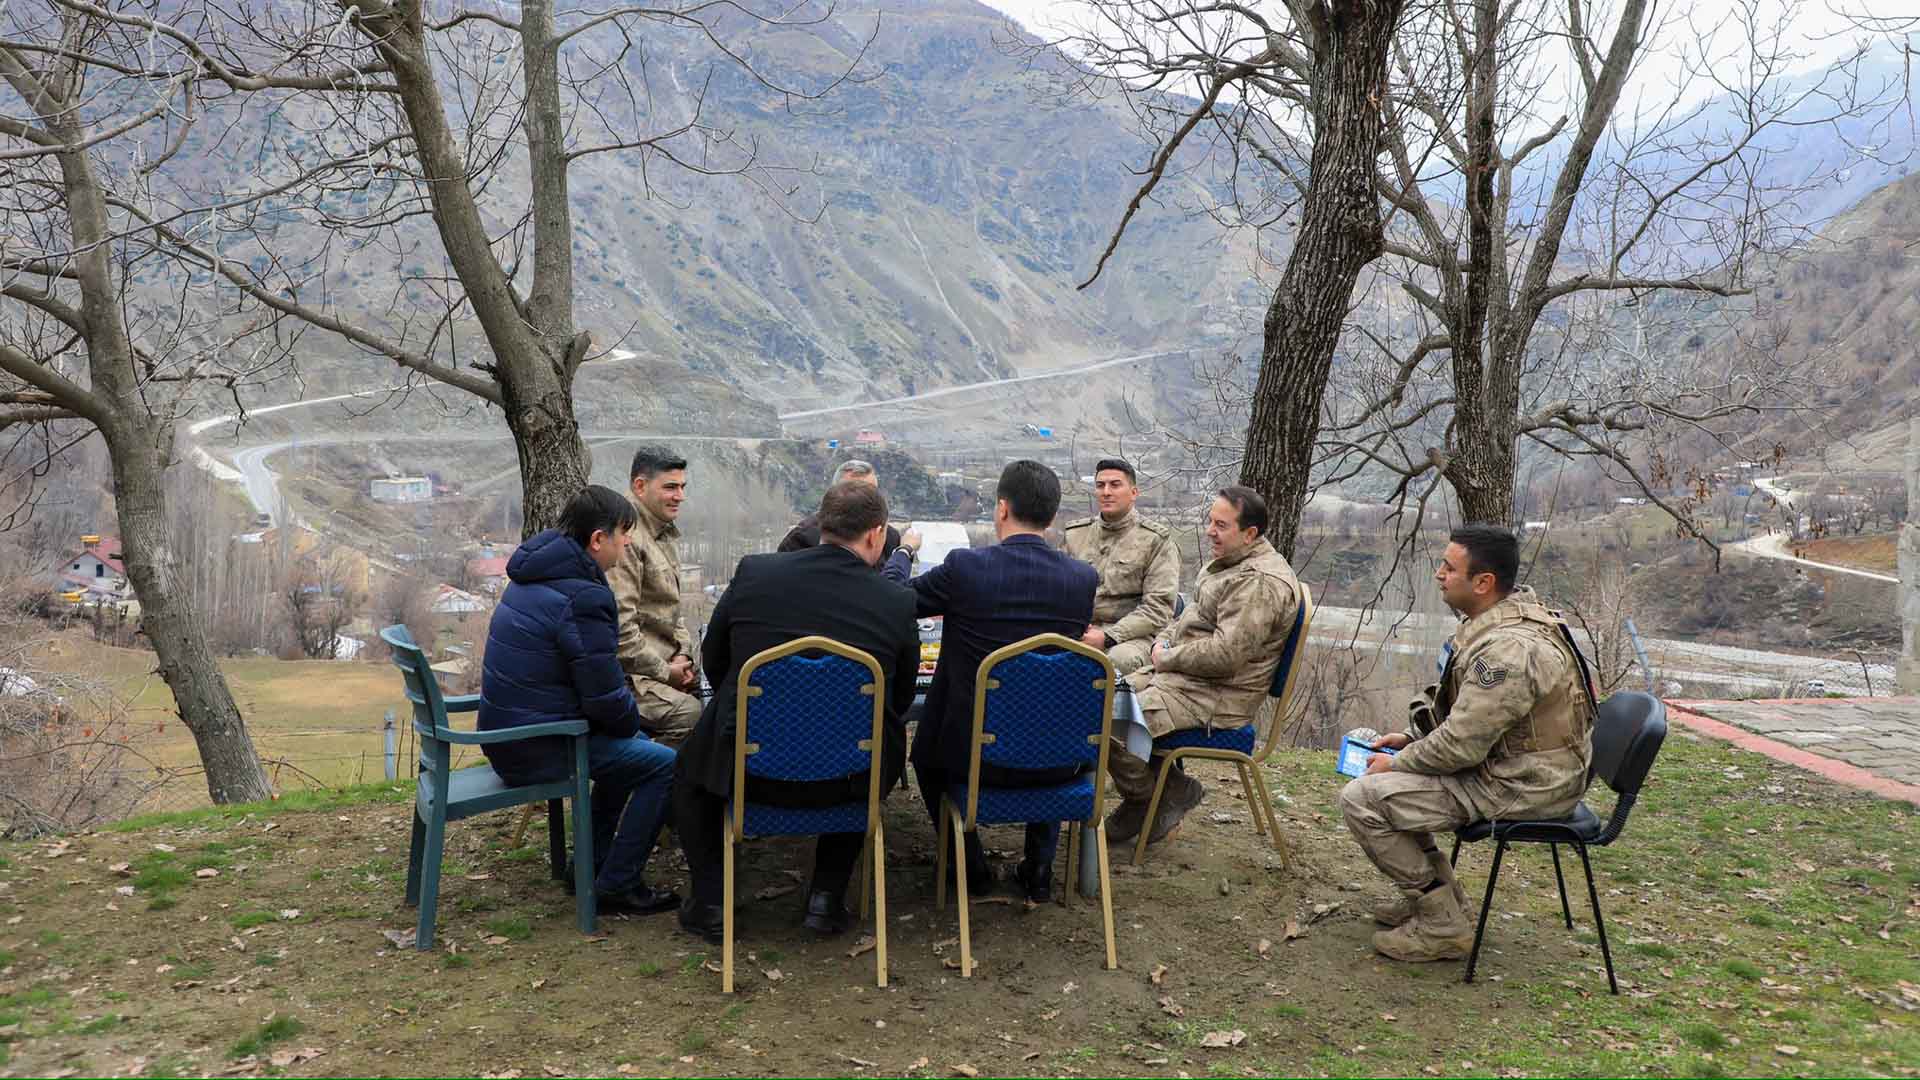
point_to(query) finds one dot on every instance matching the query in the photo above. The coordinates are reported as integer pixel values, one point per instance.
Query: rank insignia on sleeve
(1486, 675)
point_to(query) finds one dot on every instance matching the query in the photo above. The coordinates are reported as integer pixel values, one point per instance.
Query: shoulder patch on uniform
(1485, 675)
(1155, 527)
(1082, 523)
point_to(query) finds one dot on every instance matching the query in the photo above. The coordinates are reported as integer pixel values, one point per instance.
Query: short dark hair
(1490, 550)
(651, 461)
(597, 509)
(850, 508)
(1032, 492)
(1116, 463)
(1249, 506)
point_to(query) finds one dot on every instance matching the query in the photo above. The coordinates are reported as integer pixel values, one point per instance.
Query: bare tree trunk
(554, 461)
(1340, 233)
(1487, 386)
(139, 439)
(171, 621)
(535, 349)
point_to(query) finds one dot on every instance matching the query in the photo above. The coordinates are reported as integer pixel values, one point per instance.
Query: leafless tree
(320, 596)
(1291, 96)
(101, 329)
(1593, 219)
(1601, 611)
(1550, 212)
(392, 121)
(404, 600)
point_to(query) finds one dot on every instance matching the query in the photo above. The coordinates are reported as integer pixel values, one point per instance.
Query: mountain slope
(1854, 299)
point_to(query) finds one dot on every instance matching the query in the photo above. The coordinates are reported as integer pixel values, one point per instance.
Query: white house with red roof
(95, 569)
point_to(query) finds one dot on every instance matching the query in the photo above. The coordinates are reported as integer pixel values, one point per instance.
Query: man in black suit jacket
(992, 597)
(829, 590)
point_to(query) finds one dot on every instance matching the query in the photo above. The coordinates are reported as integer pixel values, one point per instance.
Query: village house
(401, 489)
(487, 571)
(448, 600)
(95, 569)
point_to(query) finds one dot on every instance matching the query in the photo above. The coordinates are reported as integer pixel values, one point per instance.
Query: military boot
(1399, 909)
(1123, 825)
(1182, 795)
(1439, 930)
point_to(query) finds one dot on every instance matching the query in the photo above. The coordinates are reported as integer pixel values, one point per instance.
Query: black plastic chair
(1626, 735)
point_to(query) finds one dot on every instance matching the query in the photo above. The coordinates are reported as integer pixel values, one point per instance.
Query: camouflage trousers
(666, 714)
(1130, 656)
(1394, 815)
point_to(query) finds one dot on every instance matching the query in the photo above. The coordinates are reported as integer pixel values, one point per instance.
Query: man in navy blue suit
(992, 597)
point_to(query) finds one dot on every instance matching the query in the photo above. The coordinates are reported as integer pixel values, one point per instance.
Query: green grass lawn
(321, 718)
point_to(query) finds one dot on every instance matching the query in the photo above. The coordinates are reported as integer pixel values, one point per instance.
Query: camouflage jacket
(1139, 567)
(1225, 646)
(1512, 716)
(646, 582)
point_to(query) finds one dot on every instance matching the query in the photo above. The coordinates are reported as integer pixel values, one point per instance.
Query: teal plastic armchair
(448, 794)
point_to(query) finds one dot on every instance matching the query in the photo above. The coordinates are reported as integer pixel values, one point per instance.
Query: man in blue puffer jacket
(551, 655)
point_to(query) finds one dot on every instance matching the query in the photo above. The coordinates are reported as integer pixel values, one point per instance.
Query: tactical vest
(1553, 723)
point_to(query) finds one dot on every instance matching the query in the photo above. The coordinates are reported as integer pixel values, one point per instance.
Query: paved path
(1869, 743)
(1774, 546)
(987, 384)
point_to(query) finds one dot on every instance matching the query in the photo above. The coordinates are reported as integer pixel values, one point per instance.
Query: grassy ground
(320, 717)
(1876, 553)
(1763, 922)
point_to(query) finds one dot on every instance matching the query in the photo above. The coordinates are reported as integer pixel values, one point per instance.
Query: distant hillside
(943, 216)
(1855, 299)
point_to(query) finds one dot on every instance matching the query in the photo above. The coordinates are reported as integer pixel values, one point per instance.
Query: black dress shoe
(644, 900)
(827, 913)
(704, 921)
(1034, 882)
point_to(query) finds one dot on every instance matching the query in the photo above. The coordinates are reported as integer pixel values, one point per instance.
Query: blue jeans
(631, 781)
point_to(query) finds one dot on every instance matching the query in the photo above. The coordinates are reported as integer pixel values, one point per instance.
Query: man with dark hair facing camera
(1507, 732)
(655, 648)
(1213, 666)
(1139, 566)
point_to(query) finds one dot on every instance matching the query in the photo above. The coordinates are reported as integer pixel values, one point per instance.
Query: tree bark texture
(174, 626)
(534, 349)
(140, 443)
(1487, 387)
(1339, 234)
(1493, 317)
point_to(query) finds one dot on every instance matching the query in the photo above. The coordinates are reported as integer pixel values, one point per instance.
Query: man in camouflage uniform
(655, 649)
(1213, 666)
(1506, 733)
(1139, 567)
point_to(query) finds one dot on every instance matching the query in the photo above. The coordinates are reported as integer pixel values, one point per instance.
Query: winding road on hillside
(987, 384)
(1775, 545)
(250, 469)
(1747, 670)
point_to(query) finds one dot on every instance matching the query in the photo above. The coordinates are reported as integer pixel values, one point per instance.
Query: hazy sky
(1814, 19)
(1819, 31)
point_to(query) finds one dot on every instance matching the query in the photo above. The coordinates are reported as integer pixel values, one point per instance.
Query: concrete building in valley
(402, 489)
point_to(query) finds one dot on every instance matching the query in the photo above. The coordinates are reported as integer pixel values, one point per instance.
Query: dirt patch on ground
(1764, 604)
(1763, 922)
(1879, 554)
